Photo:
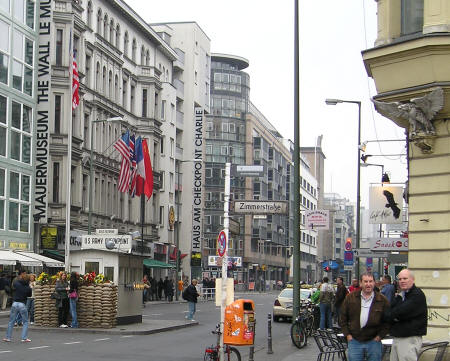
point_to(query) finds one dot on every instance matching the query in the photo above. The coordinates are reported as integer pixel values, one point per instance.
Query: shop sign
(388, 244)
(49, 238)
(122, 242)
(216, 261)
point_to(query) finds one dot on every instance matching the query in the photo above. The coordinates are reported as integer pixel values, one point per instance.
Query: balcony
(178, 153)
(179, 86)
(180, 120)
(179, 63)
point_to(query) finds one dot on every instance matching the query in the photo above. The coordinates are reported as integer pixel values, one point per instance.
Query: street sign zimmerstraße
(261, 207)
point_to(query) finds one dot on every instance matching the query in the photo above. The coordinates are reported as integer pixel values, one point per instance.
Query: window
(88, 71)
(4, 51)
(56, 182)
(57, 114)
(144, 103)
(111, 32)
(99, 22)
(59, 46)
(24, 11)
(132, 98)
(89, 14)
(133, 50)
(124, 93)
(161, 215)
(2, 198)
(142, 55)
(3, 117)
(23, 63)
(209, 126)
(411, 16)
(91, 267)
(105, 27)
(19, 204)
(21, 125)
(163, 110)
(125, 44)
(110, 85)
(109, 273)
(117, 44)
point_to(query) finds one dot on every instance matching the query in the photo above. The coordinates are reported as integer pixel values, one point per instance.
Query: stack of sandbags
(85, 309)
(45, 311)
(107, 305)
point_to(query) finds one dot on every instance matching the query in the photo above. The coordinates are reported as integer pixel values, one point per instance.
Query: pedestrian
(160, 287)
(362, 321)
(61, 288)
(73, 298)
(30, 300)
(3, 293)
(388, 289)
(326, 298)
(145, 294)
(190, 294)
(169, 290)
(180, 287)
(354, 286)
(165, 287)
(341, 292)
(22, 291)
(408, 318)
(14, 277)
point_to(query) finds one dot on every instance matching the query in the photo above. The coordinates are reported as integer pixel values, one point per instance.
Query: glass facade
(17, 106)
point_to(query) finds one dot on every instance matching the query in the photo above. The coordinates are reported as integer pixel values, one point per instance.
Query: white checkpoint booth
(111, 255)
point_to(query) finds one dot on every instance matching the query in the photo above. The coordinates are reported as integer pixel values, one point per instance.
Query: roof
(12, 258)
(47, 261)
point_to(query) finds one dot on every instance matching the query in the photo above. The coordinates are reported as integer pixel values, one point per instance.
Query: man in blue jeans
(363, 322)
(22, 291)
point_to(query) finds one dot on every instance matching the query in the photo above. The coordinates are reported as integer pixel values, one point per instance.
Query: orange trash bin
(239, 325)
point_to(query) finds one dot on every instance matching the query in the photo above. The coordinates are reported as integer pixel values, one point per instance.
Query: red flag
(75, 85)
(148, 185)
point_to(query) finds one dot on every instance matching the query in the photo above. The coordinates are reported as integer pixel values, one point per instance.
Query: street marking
(127, 336)
(156, 314)
(102, 339)
(72, 343)
(5, 351)
(37, 347)
(260, 304)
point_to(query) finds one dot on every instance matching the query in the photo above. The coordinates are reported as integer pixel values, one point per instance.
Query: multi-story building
(409, 59)
(18, 69)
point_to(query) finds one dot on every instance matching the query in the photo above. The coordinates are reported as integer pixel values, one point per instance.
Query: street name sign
(107, 231)
(247, 170)
(261, 207)
(367, 252)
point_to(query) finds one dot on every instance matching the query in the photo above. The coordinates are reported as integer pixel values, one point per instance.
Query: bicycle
(212, 352)
(303, 326)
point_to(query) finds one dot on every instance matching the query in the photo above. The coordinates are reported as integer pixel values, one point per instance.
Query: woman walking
(61, 288)
(30, 300)
(73, 298)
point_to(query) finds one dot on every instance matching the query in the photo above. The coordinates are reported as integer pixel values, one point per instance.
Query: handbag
(73, 294)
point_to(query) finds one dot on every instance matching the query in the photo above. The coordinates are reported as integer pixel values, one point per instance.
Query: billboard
(386, 204)
(317, 219)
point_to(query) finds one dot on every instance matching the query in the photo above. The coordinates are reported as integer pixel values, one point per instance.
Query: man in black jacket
(190, 294)
(408, 318)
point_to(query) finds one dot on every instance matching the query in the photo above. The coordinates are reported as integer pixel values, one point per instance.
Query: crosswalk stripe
(5, 351)
(37, 347)
(102, 339)
(72, 343)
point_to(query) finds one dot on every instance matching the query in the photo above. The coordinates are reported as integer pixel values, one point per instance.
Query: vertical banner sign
(43, 111)
(197, 208)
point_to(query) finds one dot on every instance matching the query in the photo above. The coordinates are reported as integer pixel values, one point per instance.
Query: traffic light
(327, 269)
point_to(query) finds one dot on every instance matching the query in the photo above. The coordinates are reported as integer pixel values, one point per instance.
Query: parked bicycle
(304, 325)
(212, 352)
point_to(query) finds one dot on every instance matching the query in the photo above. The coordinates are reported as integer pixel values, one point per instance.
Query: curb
(109, 331)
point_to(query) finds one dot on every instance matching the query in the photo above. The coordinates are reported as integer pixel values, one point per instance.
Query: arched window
(110, 85)
(117, 36)
(116, 88)
(142, 55)
(111, 32)
(89, 14)
(133, 50)
(104, 81)
(167, 75)
(99, 22)
(97, 77)
(125, 44)
(105, 27)
(147, 58)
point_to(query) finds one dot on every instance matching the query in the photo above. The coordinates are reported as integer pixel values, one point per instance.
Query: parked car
(282, 307)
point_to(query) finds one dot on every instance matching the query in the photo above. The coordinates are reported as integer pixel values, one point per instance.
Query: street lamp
(358, 186)
(91, 168)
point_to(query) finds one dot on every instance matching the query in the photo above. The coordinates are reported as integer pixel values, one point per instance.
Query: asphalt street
(181, 344)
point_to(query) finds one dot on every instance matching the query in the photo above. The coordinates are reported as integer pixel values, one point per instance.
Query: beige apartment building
(411, 58)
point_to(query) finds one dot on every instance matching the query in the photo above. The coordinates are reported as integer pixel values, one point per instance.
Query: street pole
(296, 208)
(177, 231)
(226, 220)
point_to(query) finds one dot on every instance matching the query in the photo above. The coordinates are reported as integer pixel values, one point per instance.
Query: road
(186, 344)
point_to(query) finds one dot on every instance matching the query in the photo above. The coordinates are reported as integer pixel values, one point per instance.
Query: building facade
(409, 59)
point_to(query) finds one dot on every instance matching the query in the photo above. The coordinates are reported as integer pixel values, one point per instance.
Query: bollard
(269, 334)
(251, 353)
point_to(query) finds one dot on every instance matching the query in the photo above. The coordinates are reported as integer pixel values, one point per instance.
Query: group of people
(368, 313)
(153, 289)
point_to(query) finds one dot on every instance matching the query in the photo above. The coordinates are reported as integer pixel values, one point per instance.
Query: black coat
(409, 317)
(341, 292)
(191, 294)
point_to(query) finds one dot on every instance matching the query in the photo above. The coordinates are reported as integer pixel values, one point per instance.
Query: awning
(53, 254)
(153, 263)
(49, 262)
(12, 258)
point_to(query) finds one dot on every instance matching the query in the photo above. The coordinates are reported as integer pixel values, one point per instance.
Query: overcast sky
(332, 35)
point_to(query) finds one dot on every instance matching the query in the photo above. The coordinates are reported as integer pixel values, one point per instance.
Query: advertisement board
(388, 244)
(385, 204)
(317, 219)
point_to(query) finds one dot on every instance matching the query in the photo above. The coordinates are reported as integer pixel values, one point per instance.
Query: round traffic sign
(221, 243)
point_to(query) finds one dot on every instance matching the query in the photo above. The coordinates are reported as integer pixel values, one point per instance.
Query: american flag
(123, 147)
(133, 166)
(75, 85)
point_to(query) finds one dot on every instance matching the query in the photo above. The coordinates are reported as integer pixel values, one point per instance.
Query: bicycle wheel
(232, 354)
(298, 335)
(210, 356)
(310, 325)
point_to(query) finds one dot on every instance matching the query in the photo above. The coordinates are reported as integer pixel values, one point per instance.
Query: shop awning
(49, 262)
(153, 263)
(12, 258)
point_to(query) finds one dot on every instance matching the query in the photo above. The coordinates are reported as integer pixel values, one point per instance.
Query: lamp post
(358, 185)
(91, 168)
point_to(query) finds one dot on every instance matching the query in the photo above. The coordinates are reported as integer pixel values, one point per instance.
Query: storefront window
(109, 273)
(91, 267)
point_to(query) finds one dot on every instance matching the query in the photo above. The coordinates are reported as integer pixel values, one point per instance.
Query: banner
(385, 204)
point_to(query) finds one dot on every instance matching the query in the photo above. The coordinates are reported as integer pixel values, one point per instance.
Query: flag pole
(69, 158)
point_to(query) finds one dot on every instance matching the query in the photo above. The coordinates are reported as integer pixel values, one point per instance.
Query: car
(282, 307)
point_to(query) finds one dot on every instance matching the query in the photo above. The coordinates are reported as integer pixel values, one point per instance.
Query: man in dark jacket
(408, 317)
(190, 294)
(22, 291)
(341, 292)
(388, 289)
(362, 321)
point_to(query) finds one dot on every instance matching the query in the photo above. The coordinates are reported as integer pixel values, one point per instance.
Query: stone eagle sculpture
(419, 112)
